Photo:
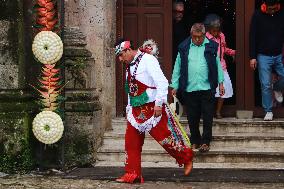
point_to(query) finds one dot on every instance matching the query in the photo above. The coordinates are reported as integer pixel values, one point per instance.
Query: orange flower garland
(47, 18)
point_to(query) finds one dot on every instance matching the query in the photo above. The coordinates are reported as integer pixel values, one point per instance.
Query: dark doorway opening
(257, 86)
(196, 11)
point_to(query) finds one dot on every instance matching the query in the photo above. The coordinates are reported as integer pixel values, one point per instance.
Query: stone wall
(11, 48)
(90, 94)
(16, 105)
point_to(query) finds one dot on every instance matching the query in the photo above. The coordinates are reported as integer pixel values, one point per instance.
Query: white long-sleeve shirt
(149, 73)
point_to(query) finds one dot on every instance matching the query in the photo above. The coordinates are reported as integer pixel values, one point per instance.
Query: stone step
(247, 166)
(240, 144)
(114, 139)
(223, 141)
(221, 155)
(227, 125)
(223, 135)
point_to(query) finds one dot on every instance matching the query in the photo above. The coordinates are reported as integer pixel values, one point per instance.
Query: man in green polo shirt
(197, 73)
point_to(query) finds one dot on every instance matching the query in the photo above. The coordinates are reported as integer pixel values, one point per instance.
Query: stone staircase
(237, 144)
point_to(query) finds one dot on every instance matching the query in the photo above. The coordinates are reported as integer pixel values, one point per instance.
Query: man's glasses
(179, 11)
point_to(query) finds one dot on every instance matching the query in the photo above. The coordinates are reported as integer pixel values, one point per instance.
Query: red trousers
(134, 141)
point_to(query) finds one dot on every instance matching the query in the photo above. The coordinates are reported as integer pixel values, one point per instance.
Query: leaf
(48, 100)
(37, 26)
(36, 6)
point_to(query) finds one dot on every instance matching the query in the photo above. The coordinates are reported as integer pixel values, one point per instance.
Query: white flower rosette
(48, 127)
(47, 47)
(174, 105)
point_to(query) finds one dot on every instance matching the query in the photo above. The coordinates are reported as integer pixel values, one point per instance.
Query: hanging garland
(47, 48)
(48, 127)
(46, 15)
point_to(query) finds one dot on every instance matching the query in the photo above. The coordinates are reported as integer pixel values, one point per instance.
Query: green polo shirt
(197, 69)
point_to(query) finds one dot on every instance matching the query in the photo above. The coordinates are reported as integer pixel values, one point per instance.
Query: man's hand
(253, 64)
(174, 92)
(221, 89)
(234, 58)
(157, 111)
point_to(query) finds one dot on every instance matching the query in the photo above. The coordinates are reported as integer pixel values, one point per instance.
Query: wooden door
(139, 20)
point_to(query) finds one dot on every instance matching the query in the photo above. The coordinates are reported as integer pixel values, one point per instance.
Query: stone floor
(177, 175)
(155, 178)
(46, 182)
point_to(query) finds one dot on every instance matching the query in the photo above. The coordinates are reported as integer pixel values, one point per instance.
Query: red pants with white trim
(134, 141)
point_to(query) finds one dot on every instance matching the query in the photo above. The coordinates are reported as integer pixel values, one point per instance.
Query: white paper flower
(174, 108)
(47, 47)
(48, 127)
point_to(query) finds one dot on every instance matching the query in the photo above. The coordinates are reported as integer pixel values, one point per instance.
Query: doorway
(142, 19)
(252, 100)
(257, 87)
(135, 20)
(196, 11)
(138, 20)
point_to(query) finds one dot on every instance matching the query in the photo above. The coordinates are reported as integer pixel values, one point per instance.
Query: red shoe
(130, 178)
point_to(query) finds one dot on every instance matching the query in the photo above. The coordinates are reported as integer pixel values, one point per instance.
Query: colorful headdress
(150, 46)
(121, 47)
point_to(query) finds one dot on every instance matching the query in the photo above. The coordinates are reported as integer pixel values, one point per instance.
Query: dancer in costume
(147, 89)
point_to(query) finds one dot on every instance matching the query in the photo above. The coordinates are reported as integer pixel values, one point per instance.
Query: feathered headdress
(150, 46)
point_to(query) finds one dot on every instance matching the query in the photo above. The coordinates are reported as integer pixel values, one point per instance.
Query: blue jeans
(265, 66)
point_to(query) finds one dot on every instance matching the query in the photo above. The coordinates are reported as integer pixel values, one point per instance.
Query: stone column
(94, 19)
(97, 20)
(83, 115)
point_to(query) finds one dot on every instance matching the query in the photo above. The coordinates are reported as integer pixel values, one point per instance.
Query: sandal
(204, 148)
(195, 147)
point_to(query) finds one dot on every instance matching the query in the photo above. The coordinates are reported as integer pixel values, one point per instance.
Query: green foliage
(19, 163)
(80, 63)
(77, 152)
(15, 147)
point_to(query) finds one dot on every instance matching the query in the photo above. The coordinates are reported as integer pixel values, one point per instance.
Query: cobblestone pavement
(45, 182)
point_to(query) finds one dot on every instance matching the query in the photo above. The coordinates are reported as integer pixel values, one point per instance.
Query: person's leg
(193, 104)
(279, 68)
(220, 103)
(133, 148)
(179, 151)
(207, 109)
(228, 94)
(264, 70)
